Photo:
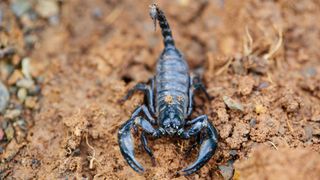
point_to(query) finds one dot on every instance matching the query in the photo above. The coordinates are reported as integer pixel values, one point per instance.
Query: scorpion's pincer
(126, 143)
(207, 148)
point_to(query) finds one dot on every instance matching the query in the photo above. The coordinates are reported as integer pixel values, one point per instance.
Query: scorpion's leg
(146, 112)
(144, 142)
(195, 85)
(208, 145)
(198, 85)
(147, 90)
(125, 138)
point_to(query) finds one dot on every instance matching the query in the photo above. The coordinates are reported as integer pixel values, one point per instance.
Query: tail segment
(157, 14)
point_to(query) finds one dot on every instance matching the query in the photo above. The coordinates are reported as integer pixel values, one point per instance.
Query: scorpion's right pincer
(172, 89)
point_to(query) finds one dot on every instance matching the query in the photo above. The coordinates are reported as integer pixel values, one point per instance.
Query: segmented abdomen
(172, 82)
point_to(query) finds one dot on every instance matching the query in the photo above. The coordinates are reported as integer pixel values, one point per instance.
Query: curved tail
(157, 14)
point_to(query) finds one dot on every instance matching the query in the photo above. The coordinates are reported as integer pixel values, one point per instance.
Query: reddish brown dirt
(88, 64)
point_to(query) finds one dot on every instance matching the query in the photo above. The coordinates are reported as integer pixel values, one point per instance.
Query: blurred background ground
(65, 64)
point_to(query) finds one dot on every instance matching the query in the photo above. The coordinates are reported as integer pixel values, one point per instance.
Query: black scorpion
(172, 104)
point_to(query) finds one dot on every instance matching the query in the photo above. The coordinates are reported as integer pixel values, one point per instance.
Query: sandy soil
(264, 55)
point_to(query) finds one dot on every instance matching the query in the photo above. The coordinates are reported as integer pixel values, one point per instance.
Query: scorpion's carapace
(170, 100)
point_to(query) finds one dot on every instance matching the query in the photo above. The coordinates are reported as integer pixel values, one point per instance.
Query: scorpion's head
(172, 121)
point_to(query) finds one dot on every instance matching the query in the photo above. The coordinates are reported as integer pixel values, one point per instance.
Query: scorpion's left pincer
(126, 145)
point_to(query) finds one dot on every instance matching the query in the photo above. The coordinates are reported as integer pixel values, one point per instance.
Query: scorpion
(169, 98)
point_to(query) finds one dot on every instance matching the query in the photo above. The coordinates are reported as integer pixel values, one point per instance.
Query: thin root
(273, 145)
(223, 68)
(247, 43)
(289, 125)
(93, 156)
(274, 49)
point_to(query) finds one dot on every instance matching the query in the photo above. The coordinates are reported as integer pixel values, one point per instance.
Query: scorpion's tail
(157, 14)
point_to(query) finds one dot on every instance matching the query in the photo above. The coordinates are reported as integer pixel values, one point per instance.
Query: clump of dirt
(260, 62)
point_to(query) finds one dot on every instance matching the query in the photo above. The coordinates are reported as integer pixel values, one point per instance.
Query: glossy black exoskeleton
(170, 100)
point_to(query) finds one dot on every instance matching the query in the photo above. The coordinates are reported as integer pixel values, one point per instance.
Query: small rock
(232, 104)
(263, 85)
(16, 75)
(253, 122)
(26, 69)
(19, 7)
(234, 154)
(9, 131)
(260, 109)
(30, 40)
(31, 102)
(227, 171)
(308, 130)
(34, 91)
(4, 97)
(26, 83)
(47, 8)
(22, 124)
(12, 114)
(22, 94)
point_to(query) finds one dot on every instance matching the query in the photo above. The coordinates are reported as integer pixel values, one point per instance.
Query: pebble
(22, 94)
(227, 171)
(26, 83)
(19, 7)
(34, 91)
(12, 114)
(16, 75)
(47, 8)
(26, 69)
(4, 97)
(308, 130)
(31, 102)
(263, 85)
(253, 122)
(30, 40)
(9, 131)
(22, 124)
(232, 104)
(260, 109)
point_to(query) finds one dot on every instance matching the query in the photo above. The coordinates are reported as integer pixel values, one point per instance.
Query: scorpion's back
(172, 80)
